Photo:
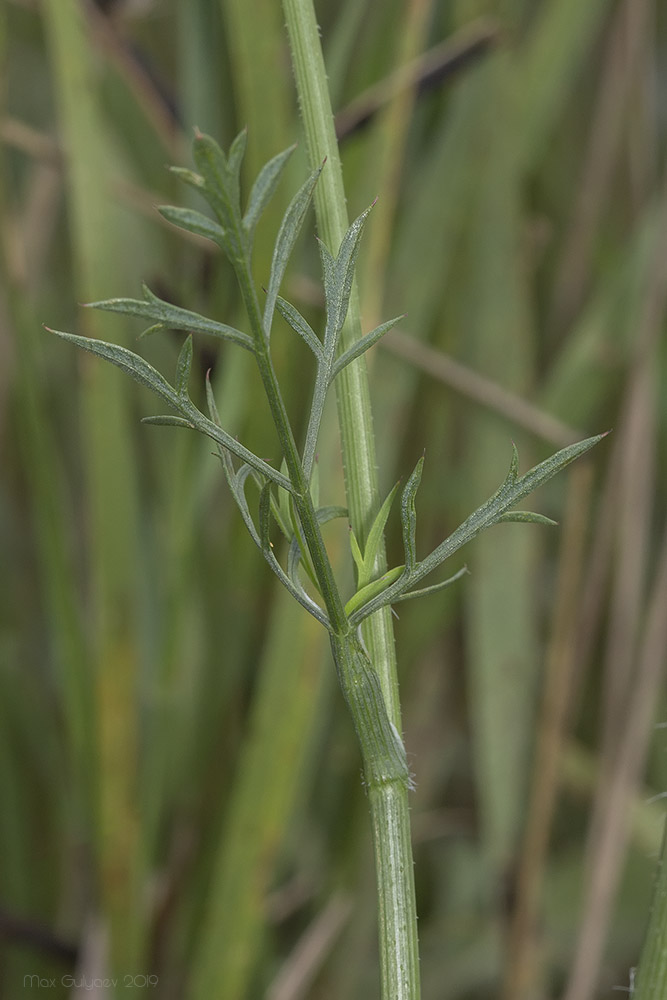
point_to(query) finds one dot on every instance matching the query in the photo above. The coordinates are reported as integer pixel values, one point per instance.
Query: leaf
(221, 191)
(189, 177)
(210, 400)
(374, 540)
(424, 591)
(510, 493)
(292, 583)
(357, 554)
(184, 367)
(297, 555)
(237, 482)
(264, 519)
(290, 228)
(527, 517)
(264, 187)
(234, 161)
(193, 222)
(362, 345)
(217, 434)
(330, 513)
(261, 538)
(149, 331)
(213, 430)
(173, 317)
(328, 268)
(300, 326)
(284, 517)
(339, 278)
(144, 373)
(374, 589)
(141, 371)
(166, 420)
(409, 516)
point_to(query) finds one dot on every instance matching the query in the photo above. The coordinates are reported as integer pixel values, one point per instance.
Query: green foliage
(169, 730)
(219, 184)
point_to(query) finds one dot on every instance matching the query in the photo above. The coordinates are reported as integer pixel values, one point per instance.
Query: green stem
(385, 764)
(387, 780)
(388, 797)
(352, 394)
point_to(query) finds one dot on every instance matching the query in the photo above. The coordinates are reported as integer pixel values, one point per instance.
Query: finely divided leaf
(166, 420)
(513, 489)
(374, 589)
(141, 371)
(144, 373)
(221, 191)
(338, 279)
(234, 161)
(374, 540)
(193, 222)
(409, 516)
(183, 368)
(289, 230)
(173, 317)
(285, 513)
(527, 517)
(432, 589)
(263, 188)
(547, 469)
(189, 177)
(510, 493)
(289, 580)
(300, 326)
(210, 400)
(264, 519)
(330, 513)
(328, 268)
(362, 345)
(357, 554)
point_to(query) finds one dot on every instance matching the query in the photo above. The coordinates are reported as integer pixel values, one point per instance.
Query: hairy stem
(388, 799)
(388, 780)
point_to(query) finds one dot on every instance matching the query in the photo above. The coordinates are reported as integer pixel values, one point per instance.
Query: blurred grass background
(180, 784)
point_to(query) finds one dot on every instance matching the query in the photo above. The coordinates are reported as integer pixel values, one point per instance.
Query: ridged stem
(388, 798)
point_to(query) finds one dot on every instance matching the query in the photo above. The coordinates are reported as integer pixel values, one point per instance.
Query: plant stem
(353, 400)
(388, 799)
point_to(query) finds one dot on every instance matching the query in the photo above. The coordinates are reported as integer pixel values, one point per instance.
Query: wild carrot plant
(280, 500)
